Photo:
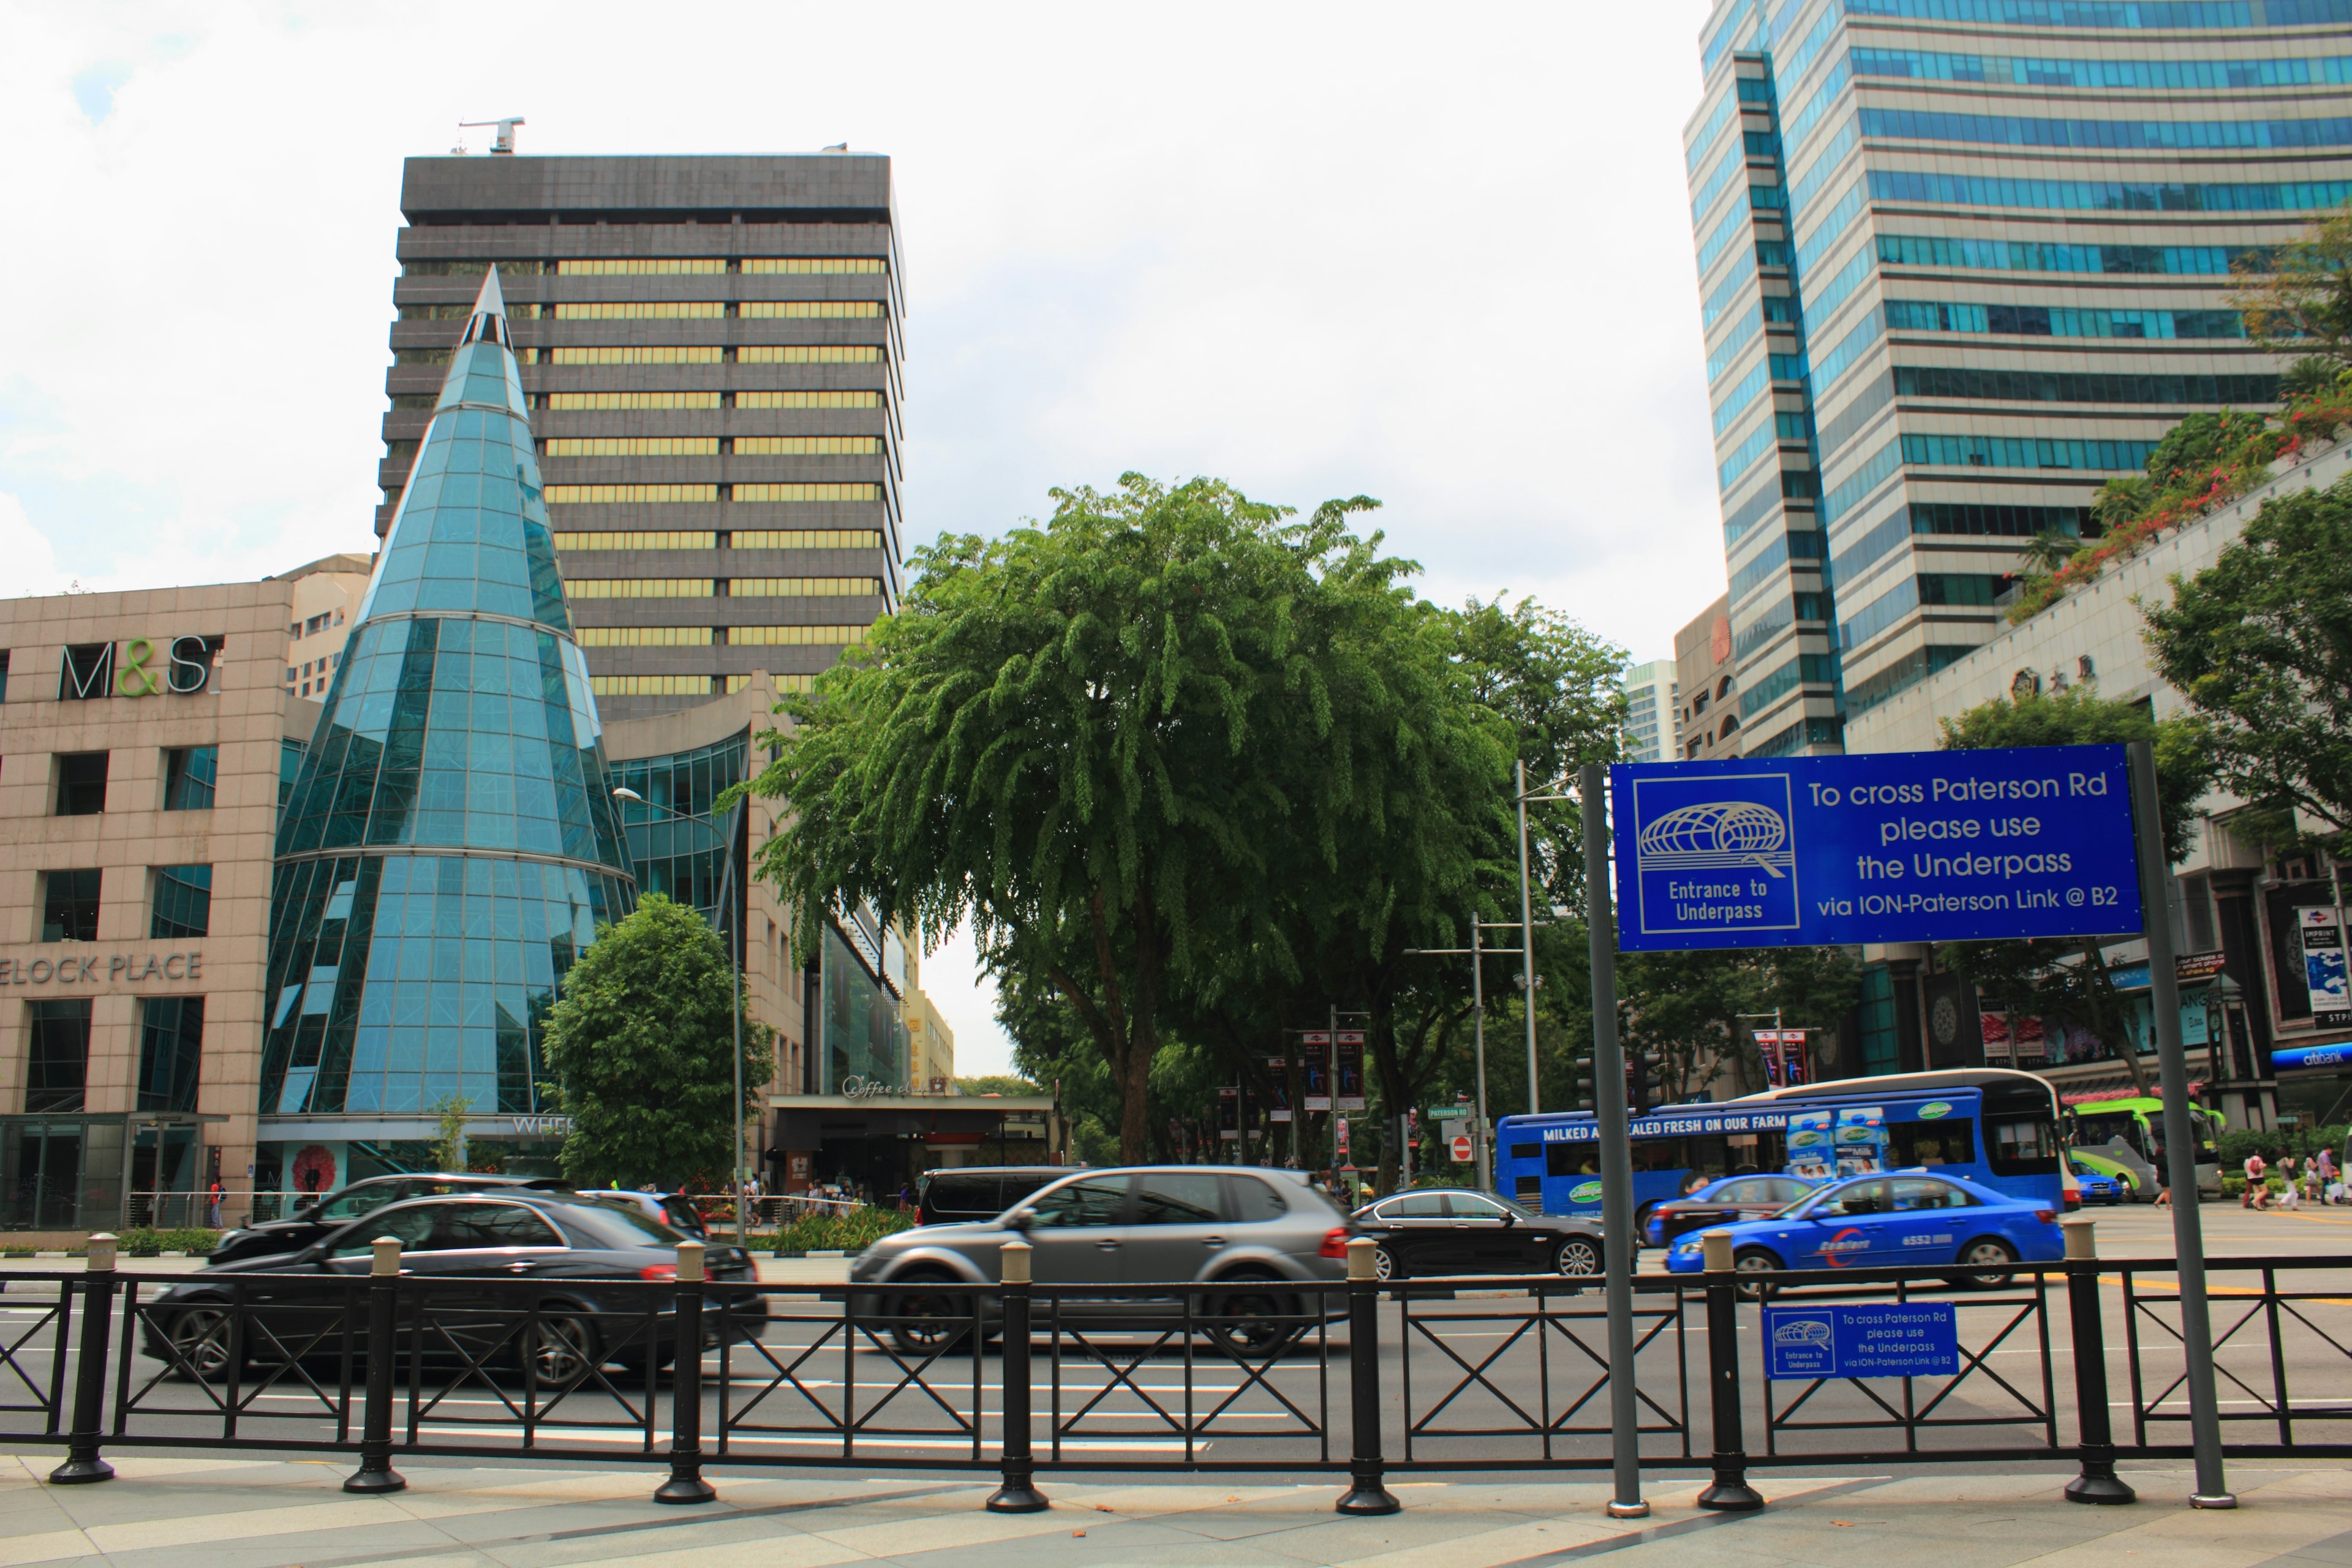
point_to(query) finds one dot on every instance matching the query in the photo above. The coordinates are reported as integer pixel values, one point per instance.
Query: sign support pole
(2179, 1136)
(1479, 1139)
(1528, 943)
(1618, 1240)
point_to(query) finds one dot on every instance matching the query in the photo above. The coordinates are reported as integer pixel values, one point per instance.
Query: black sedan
(1725, 1202)
(314, 1217)
(487, 1262)
(1453, 1231)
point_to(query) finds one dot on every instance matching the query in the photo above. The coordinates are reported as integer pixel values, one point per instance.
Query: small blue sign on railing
(1872, 1339)
(1891, 846)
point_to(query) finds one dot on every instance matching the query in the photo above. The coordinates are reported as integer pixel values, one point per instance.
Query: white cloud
(1442, 256)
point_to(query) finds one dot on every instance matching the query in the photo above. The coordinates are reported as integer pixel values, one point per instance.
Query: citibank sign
(91, 670)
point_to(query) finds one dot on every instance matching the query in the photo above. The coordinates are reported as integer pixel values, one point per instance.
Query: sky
(1439, 256)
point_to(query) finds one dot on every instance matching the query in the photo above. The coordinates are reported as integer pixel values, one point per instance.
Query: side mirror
(1022, 1218)
(1510, 1219)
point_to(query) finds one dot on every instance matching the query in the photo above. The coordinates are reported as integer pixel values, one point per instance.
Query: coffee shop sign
(855, 1088)
(128, 967)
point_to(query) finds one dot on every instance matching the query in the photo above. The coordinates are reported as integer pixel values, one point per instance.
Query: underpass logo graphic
(1716, 853)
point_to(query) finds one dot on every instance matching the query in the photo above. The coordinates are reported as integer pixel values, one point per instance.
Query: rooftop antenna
(504, 141)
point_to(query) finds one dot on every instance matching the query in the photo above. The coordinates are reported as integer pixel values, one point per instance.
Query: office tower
(710, 349)
(1650, 710)
(1707, 722)
(1960, 261)
(449, 846)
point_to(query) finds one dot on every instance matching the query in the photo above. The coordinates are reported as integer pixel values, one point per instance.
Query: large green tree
(640, 1043)
(2260, 644)
(2071, 978)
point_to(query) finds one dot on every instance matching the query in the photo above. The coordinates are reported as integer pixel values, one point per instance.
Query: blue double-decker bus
(1989, 1124)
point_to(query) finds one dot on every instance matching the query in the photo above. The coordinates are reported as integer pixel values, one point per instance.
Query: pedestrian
(216, 1222)
(2291, 1190)
(906, 1196)
(2324, 1166)
(2254, 1169)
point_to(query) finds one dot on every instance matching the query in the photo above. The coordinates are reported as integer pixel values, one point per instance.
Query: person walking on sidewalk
(2254, 1195)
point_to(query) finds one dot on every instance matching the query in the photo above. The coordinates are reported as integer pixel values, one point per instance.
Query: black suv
(968, 1193)
(315, 1216)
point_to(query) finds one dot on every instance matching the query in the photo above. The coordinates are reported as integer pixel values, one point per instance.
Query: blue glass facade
(448, 844)
(684, 860)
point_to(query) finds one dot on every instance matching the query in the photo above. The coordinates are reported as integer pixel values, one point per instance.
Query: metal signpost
(2060, 841)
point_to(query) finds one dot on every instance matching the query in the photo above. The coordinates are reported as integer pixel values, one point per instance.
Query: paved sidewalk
(194, 1513)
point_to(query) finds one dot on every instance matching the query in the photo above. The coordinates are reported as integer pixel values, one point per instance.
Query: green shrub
(147, 1239)
(2233, 1186)
(834, 1232)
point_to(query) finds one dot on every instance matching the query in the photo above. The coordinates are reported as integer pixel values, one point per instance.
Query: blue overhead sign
(1894, 846)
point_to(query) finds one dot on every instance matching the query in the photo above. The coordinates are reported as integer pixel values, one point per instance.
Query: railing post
(686, 1483)
(1366, 1494)
(1730, 1493)
(1016, 1494)
(2098, 1482)
(375, 1473)
(82, 1463)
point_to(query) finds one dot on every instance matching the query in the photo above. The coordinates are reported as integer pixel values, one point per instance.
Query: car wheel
(1258, 1320)
(927, 1324)
(1385, 1267)
(1578, 1256)
(1749, 1264)
(199, 1338)
(1987, 1251)
(561, 1347)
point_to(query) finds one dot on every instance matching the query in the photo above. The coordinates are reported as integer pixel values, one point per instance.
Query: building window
(803, 587)
(794, 637)
(81, 783)
(802, 492)
(806, 354)
(289, 768)
(653, 685)
(806, 447)
(171, 1051)
(3, 675)
(87, 671)
(56, 1061)
(580, 495)
(183, 902)
(644, 636)
(805, 539)
(650, 355)
(633, 447)
(624, 539)
(810, 309)
(607, 400)
(633, 266)
(190, 773)
(69, 906)
(817, 263)
(640, 309)
(808, 400)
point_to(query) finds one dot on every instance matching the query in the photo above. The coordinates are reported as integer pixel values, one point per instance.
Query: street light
(735, 968)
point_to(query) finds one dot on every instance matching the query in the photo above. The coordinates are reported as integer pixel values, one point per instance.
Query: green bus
(2128, 1134)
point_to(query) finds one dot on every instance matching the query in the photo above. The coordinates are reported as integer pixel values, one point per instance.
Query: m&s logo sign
(91, 670)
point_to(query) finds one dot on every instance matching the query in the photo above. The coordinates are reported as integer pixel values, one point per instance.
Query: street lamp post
(735, 1000)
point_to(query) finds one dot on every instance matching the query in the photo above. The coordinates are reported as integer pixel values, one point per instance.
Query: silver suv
(1134, 1228)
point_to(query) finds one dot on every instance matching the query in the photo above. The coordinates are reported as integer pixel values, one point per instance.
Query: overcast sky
(1441, 256)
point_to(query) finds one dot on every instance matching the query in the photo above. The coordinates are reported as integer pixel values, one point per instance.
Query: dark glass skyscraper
(450, 844)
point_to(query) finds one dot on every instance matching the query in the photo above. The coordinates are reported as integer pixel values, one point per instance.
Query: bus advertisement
(1989, 1125)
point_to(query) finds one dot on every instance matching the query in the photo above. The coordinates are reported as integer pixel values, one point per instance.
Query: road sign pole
(1478, 1037)
(1527, 945)
(1618, 1241)
(2179, 1136)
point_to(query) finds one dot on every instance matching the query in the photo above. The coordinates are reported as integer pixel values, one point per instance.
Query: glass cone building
(450, 844)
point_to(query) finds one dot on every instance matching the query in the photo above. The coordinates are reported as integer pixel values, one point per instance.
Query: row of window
(723, 587)
(2026, 452)
(2124, 14)
(596, 495)
(698, 353)
(2020, 71)
(180, 903)
(1817, 172)
(56, 1061)
(719, 637)
(190, 776)
(709, 445)
(1802, 545)
(737, 538)
(316, 623)
(2081, 386)
(2104, 196)
(2107, 135)
(1930, 588)
(1966, 518)
(688, 684)
(643, 266)
(2061, 321)
(2032, 256)
(615, 402)
(1805, 670)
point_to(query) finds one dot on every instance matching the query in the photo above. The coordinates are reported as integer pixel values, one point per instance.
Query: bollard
(82, 1463)
(2098, 1481)
(375, 1473)
(1017, 1494)
(1365, 1471)
(686, 1483)
(1730, 1493)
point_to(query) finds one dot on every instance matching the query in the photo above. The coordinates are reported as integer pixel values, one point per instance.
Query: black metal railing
(1350, 1377)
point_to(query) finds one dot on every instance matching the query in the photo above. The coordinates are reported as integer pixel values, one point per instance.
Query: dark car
(1725, 1202)
(1453, 1231)
(467, 1246)
(979, 1191)
(314, 1217)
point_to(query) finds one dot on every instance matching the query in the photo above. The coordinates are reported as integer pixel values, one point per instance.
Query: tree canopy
(640, 1041)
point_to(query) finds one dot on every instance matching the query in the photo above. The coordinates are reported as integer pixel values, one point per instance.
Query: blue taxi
(2096, 1185)
(1886, 1220)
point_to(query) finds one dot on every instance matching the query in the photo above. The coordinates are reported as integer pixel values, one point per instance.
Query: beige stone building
(142, 742)
(326, 596)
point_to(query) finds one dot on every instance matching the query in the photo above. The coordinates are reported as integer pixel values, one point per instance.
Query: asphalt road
(1477, 1379)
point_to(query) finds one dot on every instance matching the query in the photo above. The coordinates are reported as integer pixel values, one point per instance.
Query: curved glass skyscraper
(450, 845)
